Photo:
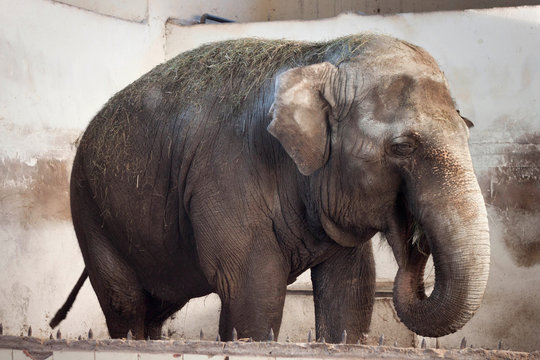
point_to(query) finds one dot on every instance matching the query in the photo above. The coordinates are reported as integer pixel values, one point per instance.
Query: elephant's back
(194, 95)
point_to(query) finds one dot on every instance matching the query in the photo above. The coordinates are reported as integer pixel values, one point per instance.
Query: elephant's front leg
(344, 293)
(252, 297)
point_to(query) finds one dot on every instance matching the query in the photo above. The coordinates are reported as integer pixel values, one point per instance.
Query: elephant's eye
(403, 146)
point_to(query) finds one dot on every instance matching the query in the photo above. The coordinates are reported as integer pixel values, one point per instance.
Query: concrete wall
(187, 12)
(59, 64)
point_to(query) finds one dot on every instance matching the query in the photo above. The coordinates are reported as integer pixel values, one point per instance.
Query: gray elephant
(235, 167)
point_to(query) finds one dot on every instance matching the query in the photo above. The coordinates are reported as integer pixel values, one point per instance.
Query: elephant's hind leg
(118, 290)
(120, 295)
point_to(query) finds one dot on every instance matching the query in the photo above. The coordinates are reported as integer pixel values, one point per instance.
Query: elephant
(235, 167)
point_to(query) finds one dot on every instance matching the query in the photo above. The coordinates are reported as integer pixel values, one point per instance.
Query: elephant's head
(384, 150)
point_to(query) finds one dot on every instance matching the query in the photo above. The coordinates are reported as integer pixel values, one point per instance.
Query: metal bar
(299, 292)
(205, 17)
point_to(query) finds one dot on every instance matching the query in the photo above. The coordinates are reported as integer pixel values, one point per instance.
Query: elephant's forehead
(393, 94)
(400, 58)
(402, 103)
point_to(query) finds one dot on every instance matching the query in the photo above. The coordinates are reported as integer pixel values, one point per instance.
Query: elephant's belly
(169, 271)
(174, 282)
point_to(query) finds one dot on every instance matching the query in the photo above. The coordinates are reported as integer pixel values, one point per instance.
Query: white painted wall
(132, 10)
(59, 64)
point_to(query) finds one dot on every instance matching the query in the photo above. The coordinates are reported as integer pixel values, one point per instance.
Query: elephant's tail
(62, 312)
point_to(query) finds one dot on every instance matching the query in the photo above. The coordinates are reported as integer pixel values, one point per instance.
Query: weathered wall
(271, 10)
(59, 64)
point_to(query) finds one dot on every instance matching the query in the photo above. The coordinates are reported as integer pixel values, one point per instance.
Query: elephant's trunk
(455, 228)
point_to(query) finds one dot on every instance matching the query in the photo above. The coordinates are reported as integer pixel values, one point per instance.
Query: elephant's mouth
(417, 257)
(412, 273)
(405, 233)
(409, 241)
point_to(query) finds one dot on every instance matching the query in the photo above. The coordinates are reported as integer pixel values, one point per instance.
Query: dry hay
(228, 74)
(234, 69)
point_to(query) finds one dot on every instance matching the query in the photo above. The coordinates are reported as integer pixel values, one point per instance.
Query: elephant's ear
(300, 115)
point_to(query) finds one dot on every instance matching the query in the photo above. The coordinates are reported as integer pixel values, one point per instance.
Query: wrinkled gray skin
(374, 144)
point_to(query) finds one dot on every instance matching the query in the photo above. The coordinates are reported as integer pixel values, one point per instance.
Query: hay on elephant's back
(227, 74)
(232, 70)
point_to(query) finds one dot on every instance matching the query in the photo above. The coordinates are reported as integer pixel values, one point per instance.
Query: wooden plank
(252, 349)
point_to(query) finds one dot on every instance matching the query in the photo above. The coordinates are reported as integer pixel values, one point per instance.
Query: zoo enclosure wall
(60, 64)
